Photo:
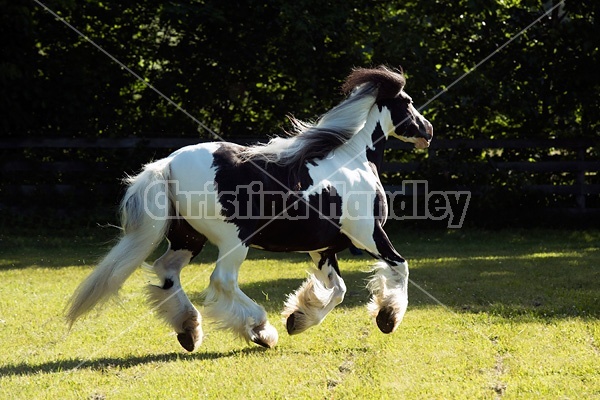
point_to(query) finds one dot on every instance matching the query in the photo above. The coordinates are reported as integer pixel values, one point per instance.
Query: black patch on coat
(406, 123)
(375, 155)
(386, 250)
(264, 201)
(182, 236)
(168, 284)
(330, 256)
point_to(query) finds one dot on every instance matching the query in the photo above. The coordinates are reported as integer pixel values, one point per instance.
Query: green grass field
(508, 314)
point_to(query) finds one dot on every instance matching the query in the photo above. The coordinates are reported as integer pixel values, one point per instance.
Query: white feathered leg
(319, 294)
(170, 301)
(389, 289)
(231, 308)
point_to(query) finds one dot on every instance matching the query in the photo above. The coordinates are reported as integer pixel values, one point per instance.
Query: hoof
(261, 342)
(191, 338)
(293, 324)
(265, 335)
(186, 340)
(386, 322)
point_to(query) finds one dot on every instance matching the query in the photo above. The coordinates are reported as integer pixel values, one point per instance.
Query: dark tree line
(241, 67)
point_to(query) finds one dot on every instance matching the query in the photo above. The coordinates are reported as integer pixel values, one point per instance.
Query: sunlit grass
(518, 317)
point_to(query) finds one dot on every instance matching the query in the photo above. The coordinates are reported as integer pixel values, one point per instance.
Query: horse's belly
(297, 236)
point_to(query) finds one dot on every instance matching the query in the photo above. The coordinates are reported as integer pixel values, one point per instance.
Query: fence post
(580, 179)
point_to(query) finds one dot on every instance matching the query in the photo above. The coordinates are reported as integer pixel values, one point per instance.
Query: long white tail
(145, 219)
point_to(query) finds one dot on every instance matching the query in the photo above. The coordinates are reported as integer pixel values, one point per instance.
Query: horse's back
(193, 165)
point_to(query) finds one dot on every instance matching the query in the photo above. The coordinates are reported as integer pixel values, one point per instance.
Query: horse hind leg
(168, 298)
(319, 294)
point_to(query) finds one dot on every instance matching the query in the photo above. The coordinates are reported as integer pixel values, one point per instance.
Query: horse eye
(404, 100)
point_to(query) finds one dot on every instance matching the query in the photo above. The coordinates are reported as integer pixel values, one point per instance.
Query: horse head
(403, 120)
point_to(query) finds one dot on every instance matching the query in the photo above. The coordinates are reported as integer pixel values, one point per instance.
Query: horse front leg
(388, 285)
(319, 294)
(229, 307)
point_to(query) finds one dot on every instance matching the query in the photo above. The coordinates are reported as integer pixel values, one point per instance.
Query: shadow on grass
(46, 248)
(271, 294)
(511, 274)
(518, 287)
(48, 253)
(110, 363)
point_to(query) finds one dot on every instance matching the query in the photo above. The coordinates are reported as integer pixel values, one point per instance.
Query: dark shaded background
(240, 69)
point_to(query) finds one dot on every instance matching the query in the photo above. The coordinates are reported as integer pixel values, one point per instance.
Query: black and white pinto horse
(317, 191)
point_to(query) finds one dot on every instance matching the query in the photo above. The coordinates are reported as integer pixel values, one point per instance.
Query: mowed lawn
(507, 314)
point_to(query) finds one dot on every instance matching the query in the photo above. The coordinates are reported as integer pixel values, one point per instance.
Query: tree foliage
(240, 68)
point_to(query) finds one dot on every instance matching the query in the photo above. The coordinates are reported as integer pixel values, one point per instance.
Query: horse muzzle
(422, 143)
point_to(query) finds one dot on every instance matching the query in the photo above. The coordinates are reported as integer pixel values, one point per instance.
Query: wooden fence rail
(28, 176)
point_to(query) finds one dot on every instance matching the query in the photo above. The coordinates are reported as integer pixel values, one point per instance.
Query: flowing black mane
(389, 83)
(364, 87)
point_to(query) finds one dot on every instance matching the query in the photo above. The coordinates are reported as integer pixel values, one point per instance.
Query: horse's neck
(375, 155)
(369, 142)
